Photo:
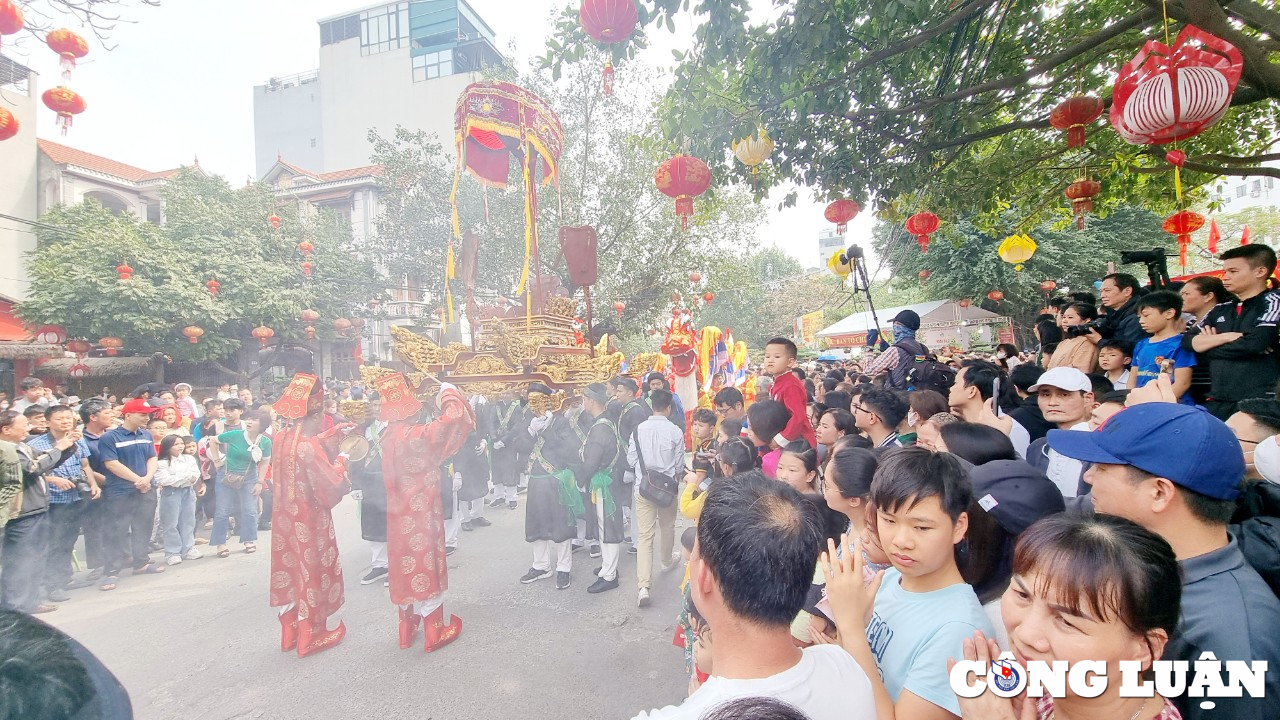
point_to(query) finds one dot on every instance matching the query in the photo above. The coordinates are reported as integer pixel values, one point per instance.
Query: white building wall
(286, 123)
(828, 243)
(1243, 193)
(19, 191)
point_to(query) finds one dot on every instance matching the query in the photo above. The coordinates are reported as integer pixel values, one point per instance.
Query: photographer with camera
(1119, 321)
(1077, 350)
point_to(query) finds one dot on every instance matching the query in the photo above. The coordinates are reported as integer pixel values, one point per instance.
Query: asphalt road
(200, 642)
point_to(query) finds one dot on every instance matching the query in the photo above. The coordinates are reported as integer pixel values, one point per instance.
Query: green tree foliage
(211, 232)
(944, 105)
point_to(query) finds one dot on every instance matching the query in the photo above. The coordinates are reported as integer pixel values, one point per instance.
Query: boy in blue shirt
(1160, 314)
(923, 610)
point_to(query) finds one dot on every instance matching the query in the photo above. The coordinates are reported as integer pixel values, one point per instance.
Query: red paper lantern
(1165, 94)
(1081, 193)
(8, 124)
(124, 271)
(307, 267)
(193, 333)
(964, 302)
(1075, 114)
(78, 371)
(1048, 286)
(675, 297)
(841, 212)
(695, 277)
(305, 247)
(51, 335)
(79, 347)
(274, 220)
(683, 178)
(708, 297)
(609, 22)
(309, 316)
(1183, 224)
(66, 102)
(69, 45)
(311, 333)
(342, 325)
(10, 17)
(924, 274)
(618, 307)
(922, 225)
(995, 296)
(213, 286)
(111, 344)
(263, 333)
(358, 323)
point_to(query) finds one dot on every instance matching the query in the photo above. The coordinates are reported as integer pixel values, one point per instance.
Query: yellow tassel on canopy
(450, 272)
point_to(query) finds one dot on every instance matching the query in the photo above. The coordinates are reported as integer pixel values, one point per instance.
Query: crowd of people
(1111, 495)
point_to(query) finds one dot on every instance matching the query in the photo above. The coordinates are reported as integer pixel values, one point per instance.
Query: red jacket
(788, 390)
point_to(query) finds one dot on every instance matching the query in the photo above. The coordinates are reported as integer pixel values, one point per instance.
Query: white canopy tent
(942, 323)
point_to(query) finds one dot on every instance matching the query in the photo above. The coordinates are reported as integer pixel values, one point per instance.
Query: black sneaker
(562, 580)
(450, 549)
(480, 522)
(633, 550)
(60, 595)
(595, 551)
(534, 575)
(576, 547)
(601, 585)
(373, 576)
(512, 505)
(522, 489)
(496, 502)
(466, 525)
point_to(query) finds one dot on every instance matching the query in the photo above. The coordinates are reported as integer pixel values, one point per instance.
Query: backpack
(924, 372)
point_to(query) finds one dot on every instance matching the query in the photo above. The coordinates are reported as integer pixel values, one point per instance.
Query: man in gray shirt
(1176, 471)
(662, 445)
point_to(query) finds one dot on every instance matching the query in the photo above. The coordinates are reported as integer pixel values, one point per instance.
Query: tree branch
(1234, 160)
(1099, 38)
(1256, 16)
(1158, 152)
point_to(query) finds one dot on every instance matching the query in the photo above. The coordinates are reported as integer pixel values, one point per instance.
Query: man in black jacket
(1119, 319)
(1238, 337)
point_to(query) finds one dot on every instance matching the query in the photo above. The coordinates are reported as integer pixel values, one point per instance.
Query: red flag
(1244, 236)
(1214, 237)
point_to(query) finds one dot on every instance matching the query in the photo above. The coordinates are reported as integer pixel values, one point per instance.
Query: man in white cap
(1066, 399)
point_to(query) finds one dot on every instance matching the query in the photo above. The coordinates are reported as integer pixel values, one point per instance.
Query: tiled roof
(64, 155)
(348, 174)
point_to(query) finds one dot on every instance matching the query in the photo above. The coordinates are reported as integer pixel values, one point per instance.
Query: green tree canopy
(211, 232)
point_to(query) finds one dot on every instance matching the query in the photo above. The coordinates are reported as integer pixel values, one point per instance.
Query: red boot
(438, 634)
(289, 629)
(409, 621)
(310, 643)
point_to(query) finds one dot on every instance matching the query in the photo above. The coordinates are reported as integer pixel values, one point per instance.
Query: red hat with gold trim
(398, 401)
(303, 395)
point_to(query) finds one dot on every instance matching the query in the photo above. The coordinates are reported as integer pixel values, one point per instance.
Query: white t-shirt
(826, 684)
(1064, 471)
(1020, 438)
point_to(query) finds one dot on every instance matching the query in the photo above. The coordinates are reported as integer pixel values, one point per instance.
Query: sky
(178, 86)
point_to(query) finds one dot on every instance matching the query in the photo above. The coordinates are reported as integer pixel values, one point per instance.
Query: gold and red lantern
(274, 219)
(111, 344)
(675, 298)
(695, 277)
(9, 124)
(69, 45)
(124, 271)
(1074, 115)
(78, 371)
(841, 212)
(684, 178)
(609, 22)
(995, 296)
(964, 302)
(1165, 94)
(11, 20)
(193, 333)
(922, 225)
(309, 317)
(1048, 286)
(358, 323)
(51, 335)
(707, 297)
(1081, 194)
(79, 347)
(342, 325)
(618, 307)
(213, 286)
(924, 275)
(307, 268)
(1183, 224)
(305, 247)
(263, 333)
(67, 103)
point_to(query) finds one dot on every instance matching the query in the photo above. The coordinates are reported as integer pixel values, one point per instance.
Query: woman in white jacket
(178, 477)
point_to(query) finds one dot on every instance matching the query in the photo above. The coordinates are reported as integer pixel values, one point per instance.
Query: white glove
(357, 495)
(457, 482)
(499, 445)
(539, 424)
(481, 447)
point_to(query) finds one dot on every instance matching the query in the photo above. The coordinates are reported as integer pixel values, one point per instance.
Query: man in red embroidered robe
(411, 458)
(306, 575)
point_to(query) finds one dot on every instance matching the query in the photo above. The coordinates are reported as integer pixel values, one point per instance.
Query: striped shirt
(70, 470)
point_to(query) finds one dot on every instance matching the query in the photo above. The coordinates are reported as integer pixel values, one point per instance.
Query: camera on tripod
(1154, 259)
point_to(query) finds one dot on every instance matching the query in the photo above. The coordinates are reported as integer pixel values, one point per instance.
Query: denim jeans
(64, 529)
(178, 519)
(25, 540)
(247, 520)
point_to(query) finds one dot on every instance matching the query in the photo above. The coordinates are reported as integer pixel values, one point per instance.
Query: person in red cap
(306, 575)
(411, 457)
